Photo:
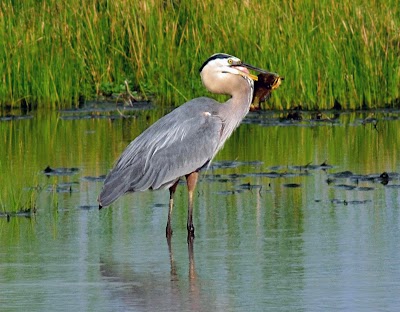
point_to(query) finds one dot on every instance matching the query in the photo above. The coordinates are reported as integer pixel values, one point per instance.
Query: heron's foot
(190, 236)
(168, 231)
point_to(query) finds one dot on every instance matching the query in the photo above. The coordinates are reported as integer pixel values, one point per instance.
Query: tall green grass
(54, 51)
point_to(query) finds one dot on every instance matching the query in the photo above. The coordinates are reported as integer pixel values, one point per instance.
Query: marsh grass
(343, 51)
(19, 184)
(17, 198)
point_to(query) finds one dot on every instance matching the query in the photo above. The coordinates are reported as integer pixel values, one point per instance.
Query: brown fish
(266, 83)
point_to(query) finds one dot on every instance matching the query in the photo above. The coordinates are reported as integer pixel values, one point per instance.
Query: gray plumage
(158, 157)
(187, 139)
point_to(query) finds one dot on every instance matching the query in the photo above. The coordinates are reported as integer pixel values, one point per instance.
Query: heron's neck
(236, 108)
(238, 105)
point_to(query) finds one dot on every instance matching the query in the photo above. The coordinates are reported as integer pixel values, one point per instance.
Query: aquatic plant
(56, 52)
(16, 198)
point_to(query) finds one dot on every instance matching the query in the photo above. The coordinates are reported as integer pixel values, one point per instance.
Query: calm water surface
(274, 230)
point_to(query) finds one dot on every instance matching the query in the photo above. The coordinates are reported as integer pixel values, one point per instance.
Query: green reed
(55, 51)
(19, 184)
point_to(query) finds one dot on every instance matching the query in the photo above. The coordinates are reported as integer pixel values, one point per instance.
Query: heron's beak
(257, 70)
(243, 71)
(254, 77)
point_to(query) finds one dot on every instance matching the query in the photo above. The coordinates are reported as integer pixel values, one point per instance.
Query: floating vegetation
(271, 174)
(310, 166)
(15, 117)
(88, 207)
(341, 175)
(221, 178)
(60, 171)
(394, 186)
(104, 110)
(350, 202)
(233, 192)
(345, 187)
(292, 185)
(364, 178)
(278, 156)
(275, 174)
(63, 187)
(365, 188)
(249, 186)
(294, 114)
(225, 164)
(100, 178)
(26, 213)
(307, 119)
(383, 178)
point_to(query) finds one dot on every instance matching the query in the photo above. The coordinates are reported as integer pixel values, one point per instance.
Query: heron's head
(221, 72)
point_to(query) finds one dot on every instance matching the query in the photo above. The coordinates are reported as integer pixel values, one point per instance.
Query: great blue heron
(186, 140)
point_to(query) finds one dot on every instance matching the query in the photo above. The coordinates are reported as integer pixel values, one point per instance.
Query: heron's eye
(230, 61)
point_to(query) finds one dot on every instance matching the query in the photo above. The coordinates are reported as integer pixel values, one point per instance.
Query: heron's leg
(172, 190)
(191, 180)
(192, 271)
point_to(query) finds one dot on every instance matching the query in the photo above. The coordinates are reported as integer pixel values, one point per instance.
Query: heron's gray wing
(192, 147)
(177, 144)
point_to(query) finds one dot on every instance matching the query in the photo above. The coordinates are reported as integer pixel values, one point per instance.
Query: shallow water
(291, 216)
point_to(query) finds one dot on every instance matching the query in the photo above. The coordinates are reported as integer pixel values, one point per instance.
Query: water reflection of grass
(92, 145)
(18, 197)
(56, 51)
(77, 148)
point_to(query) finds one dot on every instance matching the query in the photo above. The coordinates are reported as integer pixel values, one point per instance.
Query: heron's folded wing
(177, 144)
(193, 146)
(184, 147)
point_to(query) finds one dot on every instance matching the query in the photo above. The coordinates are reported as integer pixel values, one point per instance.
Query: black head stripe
(213, 57)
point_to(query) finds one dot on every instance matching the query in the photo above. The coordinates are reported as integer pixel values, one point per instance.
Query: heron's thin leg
(172, 190)
(191, 180)
(174, 275)
(192, 271)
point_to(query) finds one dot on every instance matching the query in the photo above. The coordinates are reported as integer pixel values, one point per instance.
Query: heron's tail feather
(121, 181)
(113, 188)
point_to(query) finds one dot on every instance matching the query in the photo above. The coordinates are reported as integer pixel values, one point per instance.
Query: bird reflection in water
(155, 291)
